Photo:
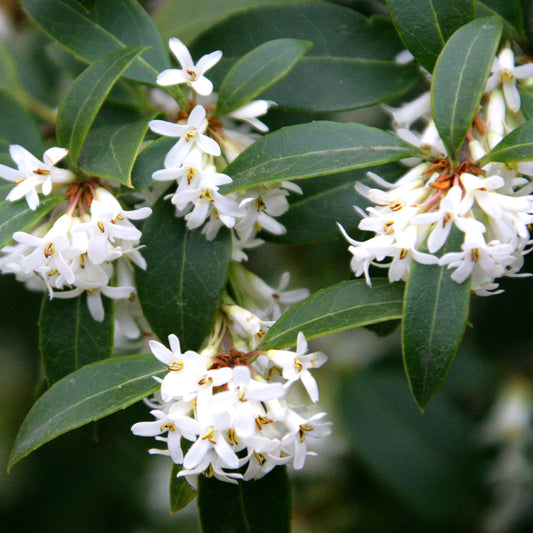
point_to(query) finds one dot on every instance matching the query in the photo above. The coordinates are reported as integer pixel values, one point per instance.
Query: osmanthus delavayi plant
(134, 218)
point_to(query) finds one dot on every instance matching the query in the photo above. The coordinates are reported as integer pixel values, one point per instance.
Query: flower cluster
(203, 140)
(89, 248)
(236, 415)
(490, 204)
(230, 398)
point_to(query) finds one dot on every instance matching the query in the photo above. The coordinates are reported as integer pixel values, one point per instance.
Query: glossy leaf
(188, 19)
(181, 493)
(107, 27)
(257, 71)
(87, 4)
(17, 216)
(526, 101)
(242, 508)
(150, 159)
(181, 288)
(17, 127)
(90, 393)
(515, 147)
(426, 25)
(314, 149)
(351, 64)
(346, 305)
(510, 11)
(326, 200)
(70, 338)
(86, 96)
(460, 77)
(111, 146)
(434, 320)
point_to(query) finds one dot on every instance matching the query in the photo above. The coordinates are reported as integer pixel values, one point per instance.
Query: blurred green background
(463, 465)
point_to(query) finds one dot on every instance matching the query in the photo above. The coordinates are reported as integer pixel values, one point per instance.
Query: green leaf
(314, 149)
(511, 13)
(80, 106)
(150, 159)
(181, 493)
(434, 320)
(108, 26)
(526, 101)
(515, 147)
(69, 337)
(346, 305)
(257, 71)
(17, 216)
(426, 25)
(460, 77)
(258, 506)
(351, 64)
(111, 146)
(87, 4)
(17, 127)
(187, 19)
(181, 288)
(90, 393)
(326, 201)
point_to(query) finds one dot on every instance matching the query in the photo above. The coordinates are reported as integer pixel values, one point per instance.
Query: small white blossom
(190, 73)
(34, 176)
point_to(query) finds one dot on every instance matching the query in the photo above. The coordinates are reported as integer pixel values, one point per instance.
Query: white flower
(505, 73)
(34, 176)
(250, 111)
(190, 73)
(264, 300)
(191, 135)
(295, 366)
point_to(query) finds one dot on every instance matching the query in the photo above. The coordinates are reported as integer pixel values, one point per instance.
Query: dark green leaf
(187, 19)
(87, 4)
(17, 127)
(151, 158)
(426, 25)
(220, 506)
(326, 200)
(69, 337)
(86, 96)
(111, 146)
(90, 393)
(181, 493)
(424, 460)
(259, 506)
(267, 502)
(257, 71)
(5, 187)
(510, 11)
(434, 320)
(514, 147)
(314, 149)
(351, 64)
(181, 288)
(526, 101)
(346, 305)
(460, 77)
(108, 26)
(17, 216)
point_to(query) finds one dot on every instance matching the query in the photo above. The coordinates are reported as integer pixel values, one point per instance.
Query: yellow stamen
(49, 249)
(175, 366)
